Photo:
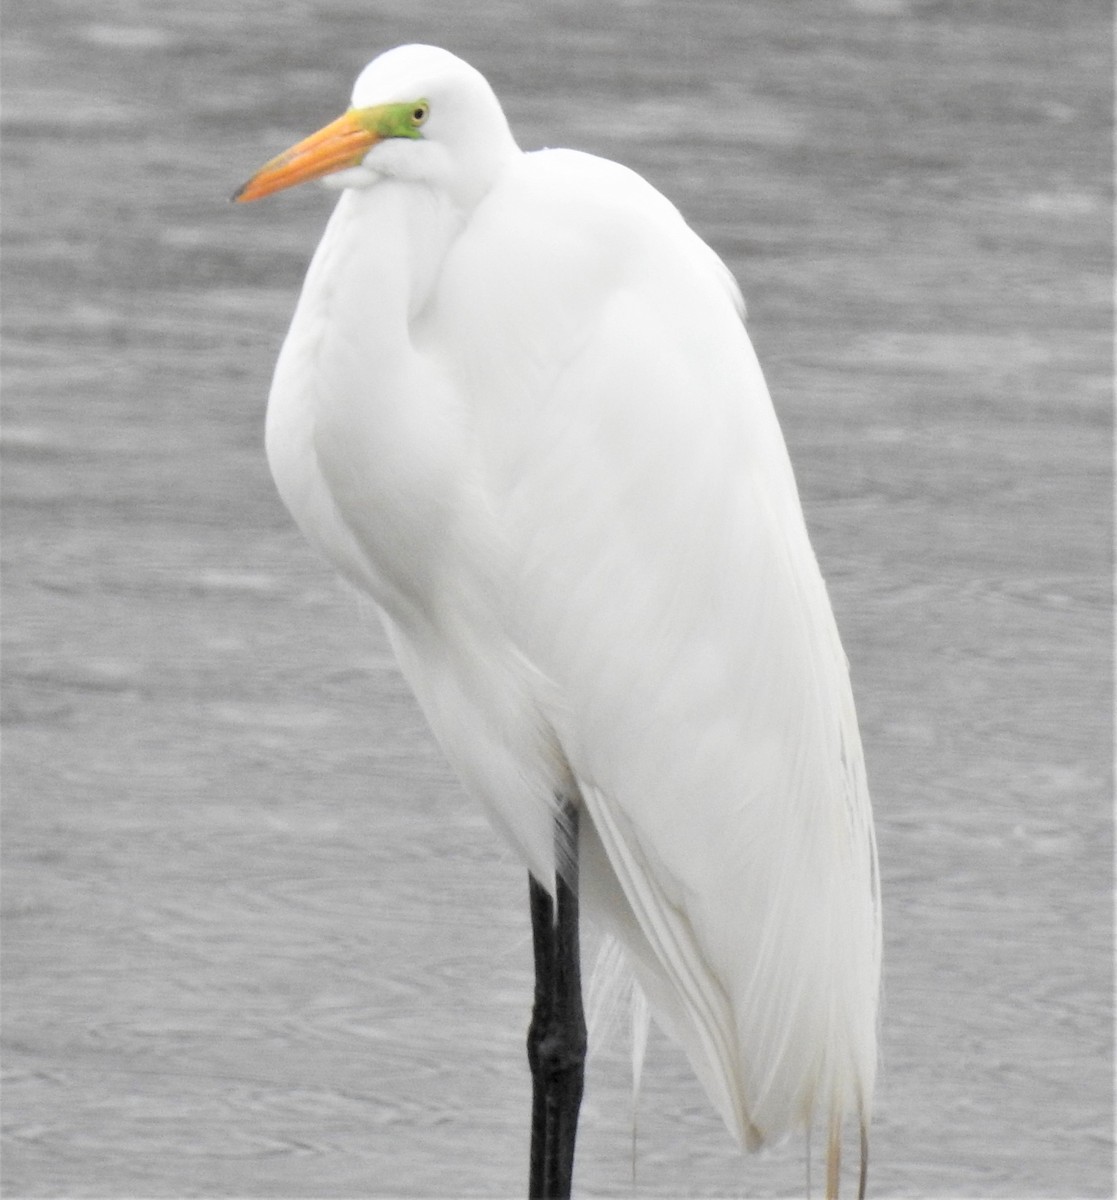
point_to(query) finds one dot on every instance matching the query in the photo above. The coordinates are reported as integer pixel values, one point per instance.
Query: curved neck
(357, 417)
(387, 244)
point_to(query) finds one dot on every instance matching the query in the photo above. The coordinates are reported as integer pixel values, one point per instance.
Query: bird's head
(417, 113)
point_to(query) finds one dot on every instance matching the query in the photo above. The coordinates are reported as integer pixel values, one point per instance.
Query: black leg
(543, 942)
(556, 1040)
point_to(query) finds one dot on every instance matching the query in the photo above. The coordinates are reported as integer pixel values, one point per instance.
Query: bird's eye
(420, 113)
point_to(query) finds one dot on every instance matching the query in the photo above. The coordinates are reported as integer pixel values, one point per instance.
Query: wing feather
(661, 580)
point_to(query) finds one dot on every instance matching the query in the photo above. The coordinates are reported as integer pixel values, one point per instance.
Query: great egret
(517, 406)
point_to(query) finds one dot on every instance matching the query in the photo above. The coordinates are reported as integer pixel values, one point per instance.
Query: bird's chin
(352, 177)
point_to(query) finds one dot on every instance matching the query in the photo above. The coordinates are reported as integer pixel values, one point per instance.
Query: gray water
(255, 941)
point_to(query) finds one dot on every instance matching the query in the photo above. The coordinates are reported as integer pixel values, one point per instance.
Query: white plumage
(518, 407)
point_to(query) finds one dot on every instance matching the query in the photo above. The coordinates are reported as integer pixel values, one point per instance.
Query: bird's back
(678, 642)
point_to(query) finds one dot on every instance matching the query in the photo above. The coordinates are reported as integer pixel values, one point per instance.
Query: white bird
(517, 406)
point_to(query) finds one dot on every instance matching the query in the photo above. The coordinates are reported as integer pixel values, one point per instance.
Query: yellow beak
(343, 143)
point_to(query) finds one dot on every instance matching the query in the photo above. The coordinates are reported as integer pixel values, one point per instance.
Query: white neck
(361, 432)
(387, 244)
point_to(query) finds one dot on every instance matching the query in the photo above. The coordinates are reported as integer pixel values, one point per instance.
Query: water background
(255, 941)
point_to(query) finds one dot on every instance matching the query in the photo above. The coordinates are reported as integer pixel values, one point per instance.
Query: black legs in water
(556, 1040)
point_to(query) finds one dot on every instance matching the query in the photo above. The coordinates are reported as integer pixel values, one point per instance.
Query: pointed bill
(341, 144)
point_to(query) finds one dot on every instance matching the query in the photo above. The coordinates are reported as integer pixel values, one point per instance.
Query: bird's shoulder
(563, 233)
(561, 178)
(572, 207)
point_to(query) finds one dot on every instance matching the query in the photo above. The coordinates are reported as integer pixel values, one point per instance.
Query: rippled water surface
(255, 942)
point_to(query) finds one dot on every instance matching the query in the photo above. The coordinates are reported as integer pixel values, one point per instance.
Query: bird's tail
(863, 1176)
(615, 998)
(834, 1157)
